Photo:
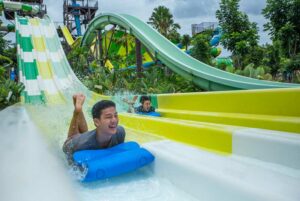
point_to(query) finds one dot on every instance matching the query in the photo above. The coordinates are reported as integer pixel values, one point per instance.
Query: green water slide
(205, 76)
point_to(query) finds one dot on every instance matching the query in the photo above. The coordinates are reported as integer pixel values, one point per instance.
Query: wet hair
(101, 105)
(145, 98)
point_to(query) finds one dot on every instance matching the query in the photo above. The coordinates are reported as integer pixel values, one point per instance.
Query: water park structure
(77, 13)
(237, 141)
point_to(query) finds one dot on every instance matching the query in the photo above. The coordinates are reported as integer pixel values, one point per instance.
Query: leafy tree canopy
(284, 20)
(239, 34)
(162, 20)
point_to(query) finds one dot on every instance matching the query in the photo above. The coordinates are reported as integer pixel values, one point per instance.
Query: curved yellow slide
(67, 35)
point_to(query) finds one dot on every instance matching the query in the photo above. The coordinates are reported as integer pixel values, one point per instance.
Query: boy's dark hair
(101, 105)
(145, 98)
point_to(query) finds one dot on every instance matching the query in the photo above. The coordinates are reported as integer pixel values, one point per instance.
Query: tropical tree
(283, 25)
(9, 89)
(186, 40)
(174, 37)
(78, 59)
(255, 55)
(162, 20)
(123, 41)
(201, 47)
(113, 82)
(272, 57)
(4, 44)
(239, 34)
(294, 63)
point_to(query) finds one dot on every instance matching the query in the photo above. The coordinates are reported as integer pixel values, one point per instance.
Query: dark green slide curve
(205, 76)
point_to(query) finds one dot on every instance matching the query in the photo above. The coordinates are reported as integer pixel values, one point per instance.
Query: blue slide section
(106, 163)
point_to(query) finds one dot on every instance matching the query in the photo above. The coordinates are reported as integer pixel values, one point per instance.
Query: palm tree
(186, 40)
(162, 20)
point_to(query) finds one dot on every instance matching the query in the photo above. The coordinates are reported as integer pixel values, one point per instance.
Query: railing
(83, 3)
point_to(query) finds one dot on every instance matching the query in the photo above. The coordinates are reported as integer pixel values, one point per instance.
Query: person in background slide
(13, 74)
(145, 106)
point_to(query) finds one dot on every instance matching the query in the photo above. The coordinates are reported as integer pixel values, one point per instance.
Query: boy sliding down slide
(107, 133)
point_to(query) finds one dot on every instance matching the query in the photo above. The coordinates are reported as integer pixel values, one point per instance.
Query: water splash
(136, 186)
(120, 99)
(54, 121)
(28, 170)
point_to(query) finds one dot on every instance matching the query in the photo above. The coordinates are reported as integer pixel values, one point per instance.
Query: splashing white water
(28, 171)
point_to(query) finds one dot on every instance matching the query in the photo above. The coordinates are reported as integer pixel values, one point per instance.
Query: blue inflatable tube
(106, 163)
(153, 114)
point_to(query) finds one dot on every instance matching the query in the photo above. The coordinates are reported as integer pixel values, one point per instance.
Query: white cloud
(253, 7)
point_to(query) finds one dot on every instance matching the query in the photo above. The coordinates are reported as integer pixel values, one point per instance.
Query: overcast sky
(185, 12)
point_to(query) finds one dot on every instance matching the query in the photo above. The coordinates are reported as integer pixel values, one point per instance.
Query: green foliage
(290, 68)
(249, 70)
(201, 47)
(5, 61)
(78, 59)
(229, 69)
(272, 57)
(186, 40)
(255, 55)
(110, 82)
(3, 44)
(9, 90)
(297, 76)
(267, 69)
(259, 72)
(10, 93)
(162, 20)
(268, 76)
(293, 64)
(7, 53)
(222, 63)
(3, 73)
(283, 24)
(124, 41)
(117, 81)
(174, 37)
(239, 72)
(239, 34)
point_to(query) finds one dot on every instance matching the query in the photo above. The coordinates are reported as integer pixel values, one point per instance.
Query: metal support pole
(138, 56)
(109, 44)
(100, 47)
(96, 48)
